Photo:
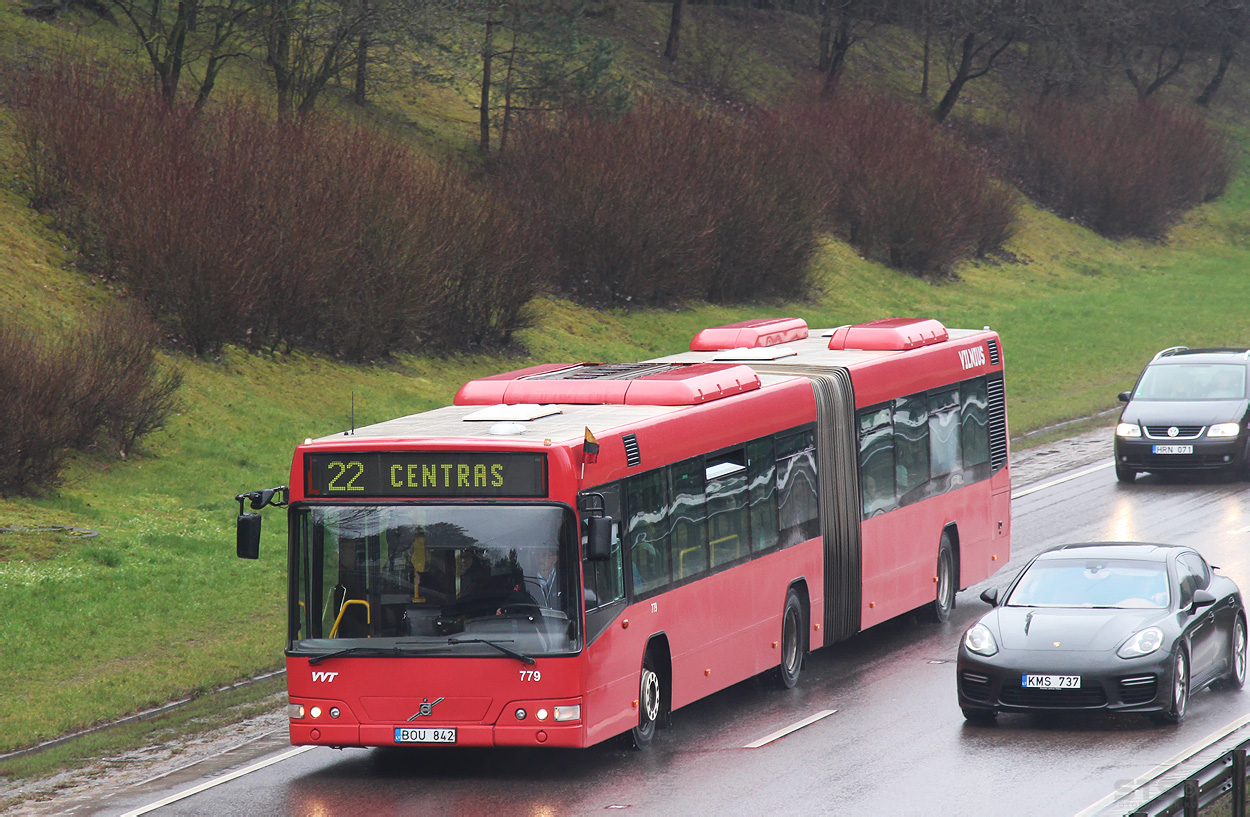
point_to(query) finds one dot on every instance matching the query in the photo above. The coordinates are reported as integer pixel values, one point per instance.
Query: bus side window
(762, 477)
(911, 445)
(688, 519)
(876, 460)
(944, 448)
(798, 508)
(647, 507)
(974, 423)
(727, 506)
(605, 581)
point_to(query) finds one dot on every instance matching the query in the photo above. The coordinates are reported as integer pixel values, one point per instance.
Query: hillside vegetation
(155, 606)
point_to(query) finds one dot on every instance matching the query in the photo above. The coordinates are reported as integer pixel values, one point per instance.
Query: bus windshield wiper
(376, 651)
(520, 656)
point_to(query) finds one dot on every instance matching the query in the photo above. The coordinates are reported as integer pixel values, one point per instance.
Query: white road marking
(182, 795)
(1165, 767)
(794, 727)
(1032, 489)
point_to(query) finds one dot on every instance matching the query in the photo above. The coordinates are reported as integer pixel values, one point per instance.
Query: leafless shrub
(1120, 168)
(101, 384)
(235, 228)
(894, 187)
(668, 204)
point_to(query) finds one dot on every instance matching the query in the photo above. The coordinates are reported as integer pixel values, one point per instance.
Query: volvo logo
(1173, 431)
(427, 708)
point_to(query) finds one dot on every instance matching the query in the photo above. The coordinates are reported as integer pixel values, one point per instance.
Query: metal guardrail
(1226, 774)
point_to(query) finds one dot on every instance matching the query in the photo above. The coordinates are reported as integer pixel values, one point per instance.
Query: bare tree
(310, 42)
(674, 29)
(166, 37)
(548, 65)
(1226, 25)
(1153, 40)
(843, 23)
(976, 33)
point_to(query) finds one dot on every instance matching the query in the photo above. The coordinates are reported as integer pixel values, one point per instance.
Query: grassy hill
(156, 606)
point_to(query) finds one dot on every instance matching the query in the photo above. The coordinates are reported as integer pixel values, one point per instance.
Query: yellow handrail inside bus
(681, 559)
(347, 603)
(737, 547)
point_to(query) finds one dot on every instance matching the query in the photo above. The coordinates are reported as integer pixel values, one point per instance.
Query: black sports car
(1109, 625)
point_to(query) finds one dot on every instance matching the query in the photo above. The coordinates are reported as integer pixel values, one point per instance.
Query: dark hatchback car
(1188, 411)
(1118, 626)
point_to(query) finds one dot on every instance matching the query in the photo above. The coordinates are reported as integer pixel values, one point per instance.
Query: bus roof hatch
(749, 334)
(889, 335)
(642, 384)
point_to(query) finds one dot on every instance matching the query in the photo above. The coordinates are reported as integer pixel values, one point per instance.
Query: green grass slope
(156, 606)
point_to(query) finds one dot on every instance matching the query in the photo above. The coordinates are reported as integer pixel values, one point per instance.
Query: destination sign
(426, 474)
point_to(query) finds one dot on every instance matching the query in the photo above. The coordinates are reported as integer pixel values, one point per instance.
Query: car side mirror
(1203, 598)
(1125, 395)
(990, 596)
(598, 538)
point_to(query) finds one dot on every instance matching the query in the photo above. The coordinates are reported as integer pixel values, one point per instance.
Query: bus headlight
(569, 713)
(1127, 430)
(295, 711)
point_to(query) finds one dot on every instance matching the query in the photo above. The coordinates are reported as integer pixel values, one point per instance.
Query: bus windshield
(413, 579)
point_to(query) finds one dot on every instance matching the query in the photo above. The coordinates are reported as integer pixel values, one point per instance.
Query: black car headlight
(980, 640)
(1128, 430)
(1141, 643)
(1224, 430)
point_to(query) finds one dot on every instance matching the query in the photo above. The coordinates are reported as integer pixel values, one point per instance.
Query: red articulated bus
(571, 552)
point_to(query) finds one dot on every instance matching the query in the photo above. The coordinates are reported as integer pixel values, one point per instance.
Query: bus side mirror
(247, 534)
(598, 538)
(247, 543)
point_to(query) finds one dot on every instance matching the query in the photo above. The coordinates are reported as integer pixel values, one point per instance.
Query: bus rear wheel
(649, 700)
(786, 674)
(939, 610)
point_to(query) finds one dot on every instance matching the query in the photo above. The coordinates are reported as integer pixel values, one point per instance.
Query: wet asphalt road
(895, 743)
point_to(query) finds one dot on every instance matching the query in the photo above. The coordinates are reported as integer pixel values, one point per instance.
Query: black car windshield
(479, 579)
(1192, 381)
(1107, 583)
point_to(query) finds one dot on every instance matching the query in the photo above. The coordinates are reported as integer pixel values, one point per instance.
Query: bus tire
(939, 610)
(786, 674)
(650, 700)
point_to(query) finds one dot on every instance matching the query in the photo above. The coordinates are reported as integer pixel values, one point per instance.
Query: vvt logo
(324, 676)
